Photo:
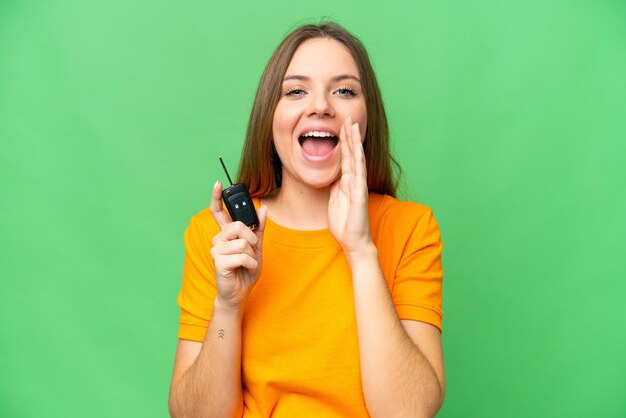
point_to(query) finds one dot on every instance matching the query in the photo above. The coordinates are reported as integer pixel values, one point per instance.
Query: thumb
(262, 214)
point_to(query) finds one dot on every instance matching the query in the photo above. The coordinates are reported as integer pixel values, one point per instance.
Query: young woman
(332, 307)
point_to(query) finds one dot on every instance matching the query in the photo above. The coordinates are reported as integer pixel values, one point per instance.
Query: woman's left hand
(347, 208)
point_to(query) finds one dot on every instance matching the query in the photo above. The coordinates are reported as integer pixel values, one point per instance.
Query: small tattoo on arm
(220, 334)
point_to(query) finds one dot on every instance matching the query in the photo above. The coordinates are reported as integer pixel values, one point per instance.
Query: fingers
(346, 157)
(235, 230)
(352, 155)
(358, 153)
(349, 139)
(353, 165)
(347, 165)
(236, 246)
(231, 262)
(217, 209)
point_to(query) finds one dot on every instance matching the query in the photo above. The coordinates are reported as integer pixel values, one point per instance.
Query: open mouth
(318, 143)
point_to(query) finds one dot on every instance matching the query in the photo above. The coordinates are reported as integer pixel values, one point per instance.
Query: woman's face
(320, 89)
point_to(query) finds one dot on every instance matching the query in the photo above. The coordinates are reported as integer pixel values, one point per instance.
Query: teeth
(318, 134)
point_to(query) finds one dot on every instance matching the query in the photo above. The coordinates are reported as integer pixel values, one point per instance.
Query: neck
(298, 207)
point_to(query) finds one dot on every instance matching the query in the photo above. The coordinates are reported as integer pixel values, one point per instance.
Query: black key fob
(239, 203)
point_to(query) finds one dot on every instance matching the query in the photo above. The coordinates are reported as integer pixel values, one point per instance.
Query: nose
(320, 105)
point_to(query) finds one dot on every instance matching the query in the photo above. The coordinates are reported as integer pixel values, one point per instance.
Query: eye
(346, 92)
(294, 91)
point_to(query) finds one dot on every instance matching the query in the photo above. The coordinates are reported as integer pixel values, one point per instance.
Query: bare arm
(207, 376)
(401, 361)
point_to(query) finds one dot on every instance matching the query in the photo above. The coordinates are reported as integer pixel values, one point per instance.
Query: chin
(322, 183)
(322, 180)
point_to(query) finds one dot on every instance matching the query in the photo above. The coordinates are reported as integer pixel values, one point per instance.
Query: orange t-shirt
(300, 352)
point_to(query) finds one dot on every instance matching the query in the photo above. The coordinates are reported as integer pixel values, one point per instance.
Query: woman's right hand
(237, 254)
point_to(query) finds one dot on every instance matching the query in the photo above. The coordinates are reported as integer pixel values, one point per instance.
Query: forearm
(211, 387)
(397, 378)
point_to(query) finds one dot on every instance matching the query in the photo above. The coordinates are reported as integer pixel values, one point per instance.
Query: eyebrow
(336, 78)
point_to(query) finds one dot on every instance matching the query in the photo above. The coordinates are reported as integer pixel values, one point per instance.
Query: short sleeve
(417, 287)
(198, 288)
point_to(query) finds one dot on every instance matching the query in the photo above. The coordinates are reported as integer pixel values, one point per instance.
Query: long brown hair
(261, 169)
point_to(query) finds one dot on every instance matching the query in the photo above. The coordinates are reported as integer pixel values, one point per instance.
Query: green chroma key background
(509, 121)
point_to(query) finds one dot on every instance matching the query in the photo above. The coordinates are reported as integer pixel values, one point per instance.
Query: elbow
(181, 408)
(172, 405)
(442, 394)
(178, 406)
(427, 409)
(423, 401)
(433, 403)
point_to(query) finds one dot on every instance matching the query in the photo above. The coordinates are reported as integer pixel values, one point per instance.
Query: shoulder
(387, 210)
(204, 218)
(399, 225)
(202, 226)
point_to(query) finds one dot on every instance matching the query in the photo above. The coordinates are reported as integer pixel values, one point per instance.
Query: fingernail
(350, 119)
(215, 185)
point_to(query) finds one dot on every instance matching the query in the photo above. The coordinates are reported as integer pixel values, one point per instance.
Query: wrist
(363, 254)
(226, 309)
